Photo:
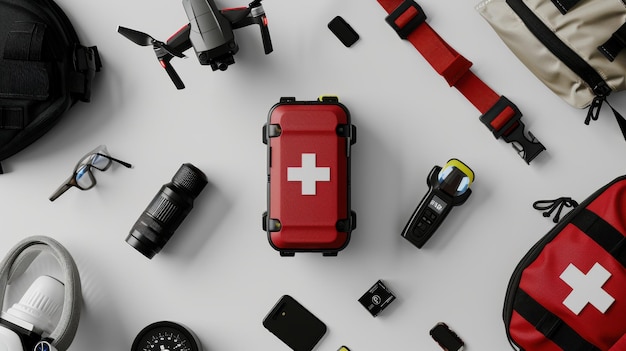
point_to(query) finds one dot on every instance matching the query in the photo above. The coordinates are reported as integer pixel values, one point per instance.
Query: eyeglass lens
(83, 176)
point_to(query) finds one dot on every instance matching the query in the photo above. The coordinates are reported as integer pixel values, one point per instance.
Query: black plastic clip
(528, 147)
(408, 26)
(86, 63)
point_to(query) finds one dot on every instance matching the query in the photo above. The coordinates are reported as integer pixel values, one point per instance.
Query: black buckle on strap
(86, 63)
(414, 22)
(513, 130)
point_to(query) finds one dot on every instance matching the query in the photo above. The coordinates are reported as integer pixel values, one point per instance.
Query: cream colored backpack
(572, 46)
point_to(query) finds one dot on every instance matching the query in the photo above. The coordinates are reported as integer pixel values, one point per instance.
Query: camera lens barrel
(167, 210)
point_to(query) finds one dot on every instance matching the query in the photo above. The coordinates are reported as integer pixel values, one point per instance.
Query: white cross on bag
(587, 288)
(309, 174)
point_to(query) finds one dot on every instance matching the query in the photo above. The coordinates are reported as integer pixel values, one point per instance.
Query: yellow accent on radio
(461, 167)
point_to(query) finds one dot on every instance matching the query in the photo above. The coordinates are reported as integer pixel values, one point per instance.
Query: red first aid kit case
(308, 157)
(569, 291)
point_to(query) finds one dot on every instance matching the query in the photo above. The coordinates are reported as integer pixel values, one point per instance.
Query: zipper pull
(594, 108)
(594, 111)
(557, 204)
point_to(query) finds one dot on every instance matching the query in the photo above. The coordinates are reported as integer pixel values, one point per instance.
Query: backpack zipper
(569, 57)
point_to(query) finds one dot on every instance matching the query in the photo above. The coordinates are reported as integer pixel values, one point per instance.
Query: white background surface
(218, 274)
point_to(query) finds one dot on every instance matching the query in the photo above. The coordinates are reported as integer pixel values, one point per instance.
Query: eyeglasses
(82, 177)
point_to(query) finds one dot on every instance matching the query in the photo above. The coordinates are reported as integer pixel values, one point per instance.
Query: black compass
(166, 336)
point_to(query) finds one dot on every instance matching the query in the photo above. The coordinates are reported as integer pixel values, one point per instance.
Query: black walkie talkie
(448, 187)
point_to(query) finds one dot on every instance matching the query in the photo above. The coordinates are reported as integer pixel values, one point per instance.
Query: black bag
(44, 70)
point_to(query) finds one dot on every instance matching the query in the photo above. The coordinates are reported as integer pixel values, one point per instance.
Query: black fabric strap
(548, 324)
(604, 234)
(25, 41)
(86, 64)
(29, 80)
(565, 5)
(621, 122)
(612, 47)
(23, 74)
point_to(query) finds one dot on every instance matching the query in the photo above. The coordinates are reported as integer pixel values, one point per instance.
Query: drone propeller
(163, 51)
(137, 37)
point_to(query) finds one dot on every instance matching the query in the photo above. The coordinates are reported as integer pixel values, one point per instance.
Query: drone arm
(265, 33)
(180, 41)
(237, 16)
(165, 63)
(242, 17)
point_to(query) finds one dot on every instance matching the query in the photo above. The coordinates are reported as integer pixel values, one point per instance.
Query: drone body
(209, 32)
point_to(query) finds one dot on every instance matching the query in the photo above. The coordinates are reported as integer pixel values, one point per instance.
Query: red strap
(455, 69)
(445, 60)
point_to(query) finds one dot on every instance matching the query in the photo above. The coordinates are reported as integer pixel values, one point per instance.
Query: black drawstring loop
(594, 109)
(550, 205)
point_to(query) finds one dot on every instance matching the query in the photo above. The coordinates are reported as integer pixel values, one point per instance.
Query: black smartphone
(294, 325)
(343, 31)
(446, 338)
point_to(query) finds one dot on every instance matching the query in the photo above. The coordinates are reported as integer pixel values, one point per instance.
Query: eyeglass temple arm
(63, 188)
(125, 164)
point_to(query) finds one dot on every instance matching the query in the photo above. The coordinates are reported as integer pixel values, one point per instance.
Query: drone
(209, 32)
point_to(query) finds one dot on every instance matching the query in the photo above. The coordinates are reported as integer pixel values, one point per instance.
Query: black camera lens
(168, 209)
(221, 62)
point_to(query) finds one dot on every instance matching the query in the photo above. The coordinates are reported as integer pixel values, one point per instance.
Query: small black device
(446, 338)
(343, 31)
(448, 187)
(377, 298)
(209, 32)
(166, 335)
(294, 325)
(167, 210)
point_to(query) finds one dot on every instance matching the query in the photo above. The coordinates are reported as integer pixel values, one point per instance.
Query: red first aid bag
(569, 291)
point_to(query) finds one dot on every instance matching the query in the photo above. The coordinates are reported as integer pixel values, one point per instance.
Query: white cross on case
(309, 174)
